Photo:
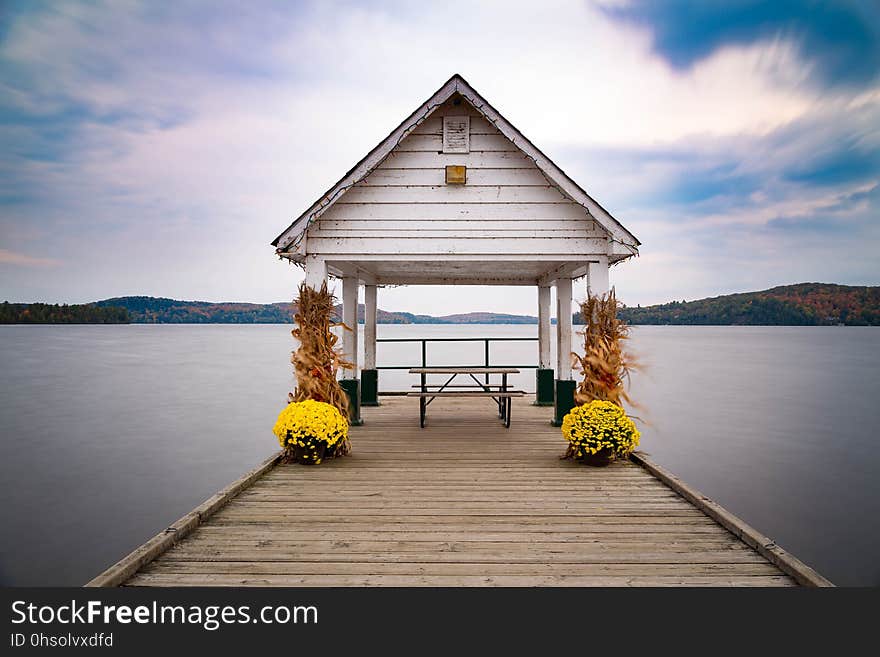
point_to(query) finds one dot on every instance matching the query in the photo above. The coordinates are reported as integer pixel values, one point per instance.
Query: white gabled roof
(456, 84)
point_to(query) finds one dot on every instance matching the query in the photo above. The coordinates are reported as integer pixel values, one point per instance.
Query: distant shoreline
(804, 304)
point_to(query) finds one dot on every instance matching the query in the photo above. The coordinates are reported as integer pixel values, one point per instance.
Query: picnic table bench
(500, 393)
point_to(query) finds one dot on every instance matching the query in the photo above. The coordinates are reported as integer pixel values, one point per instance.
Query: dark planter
(309, 455)
(600, 459)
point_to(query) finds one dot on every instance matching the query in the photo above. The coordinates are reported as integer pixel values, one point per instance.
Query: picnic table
(501, 393)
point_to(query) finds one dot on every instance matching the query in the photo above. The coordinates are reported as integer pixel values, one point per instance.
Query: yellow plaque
(456, 174)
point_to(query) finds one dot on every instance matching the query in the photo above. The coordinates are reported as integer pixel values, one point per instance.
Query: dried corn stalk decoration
(605, 364)
(317, 359)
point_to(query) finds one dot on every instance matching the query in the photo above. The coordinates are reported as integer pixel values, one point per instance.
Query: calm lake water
(110, 433)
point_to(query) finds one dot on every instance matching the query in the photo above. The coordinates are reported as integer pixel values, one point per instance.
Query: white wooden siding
(473, 160)
(453, 194)
(457, 225)
(471, 211)
(507, 206)
(475, 177)
(549, 245)
(434, 143)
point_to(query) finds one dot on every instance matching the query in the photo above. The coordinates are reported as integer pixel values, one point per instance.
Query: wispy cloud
(23, 260)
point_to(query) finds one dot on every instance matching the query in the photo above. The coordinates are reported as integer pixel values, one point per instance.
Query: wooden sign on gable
(456, 134)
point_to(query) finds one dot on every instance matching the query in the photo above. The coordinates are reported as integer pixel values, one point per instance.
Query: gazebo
(456, 195)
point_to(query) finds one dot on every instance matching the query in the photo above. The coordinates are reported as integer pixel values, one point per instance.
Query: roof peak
(455, 84)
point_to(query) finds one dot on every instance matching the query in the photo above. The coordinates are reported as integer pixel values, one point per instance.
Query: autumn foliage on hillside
(805, 304)
(832, 303)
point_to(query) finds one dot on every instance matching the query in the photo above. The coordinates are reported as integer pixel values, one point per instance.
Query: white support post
(563, 329)
(597, 278)
(316, 272)
(369, 327)
(349, 318)
(544, 327)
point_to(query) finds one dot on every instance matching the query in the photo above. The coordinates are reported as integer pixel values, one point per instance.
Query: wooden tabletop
(464, 370)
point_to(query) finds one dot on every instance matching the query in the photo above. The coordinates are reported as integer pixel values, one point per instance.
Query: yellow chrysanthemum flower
(600, 425)
(308, 423)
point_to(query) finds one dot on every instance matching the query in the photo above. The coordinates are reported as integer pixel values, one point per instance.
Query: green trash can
(563, 401)
(352, 388)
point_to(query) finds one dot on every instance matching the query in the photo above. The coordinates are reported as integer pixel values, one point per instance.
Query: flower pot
(309, 455)
(600, 459)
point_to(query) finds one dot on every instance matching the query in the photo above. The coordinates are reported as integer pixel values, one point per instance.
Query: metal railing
(486, 361)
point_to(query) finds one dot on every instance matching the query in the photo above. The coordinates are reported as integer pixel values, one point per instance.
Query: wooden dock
(463, 502)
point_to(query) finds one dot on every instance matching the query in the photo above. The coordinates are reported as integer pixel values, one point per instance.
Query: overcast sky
(158, 147)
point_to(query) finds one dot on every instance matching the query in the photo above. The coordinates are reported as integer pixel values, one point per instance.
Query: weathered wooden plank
(496, 484)
(553, 486)
(575, 247)
(555, 490)
(354, 469)
(253, 515)
(439, 580)
(473, 524)
(500, 556)
(481, 160)
(431, 143)
(428, 487)
(471, 233)
(440, 495)
(471, 467)
(169, 566)
(584, 499)
(524, 177)
(439, 467)
(414, 470)
(452, 194)
(477, 523)
(413, 480)
(583, 545)
(459, 507)
(552, 504)
(460, 224)
(560, 485)
(263, 537)
(473, 211)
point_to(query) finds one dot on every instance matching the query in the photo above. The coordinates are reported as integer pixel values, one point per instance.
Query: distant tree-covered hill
(158, 310)
(45, 313)
(805, 304)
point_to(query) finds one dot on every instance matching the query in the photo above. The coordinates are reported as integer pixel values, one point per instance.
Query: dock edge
(126, 567)
(766, 547)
